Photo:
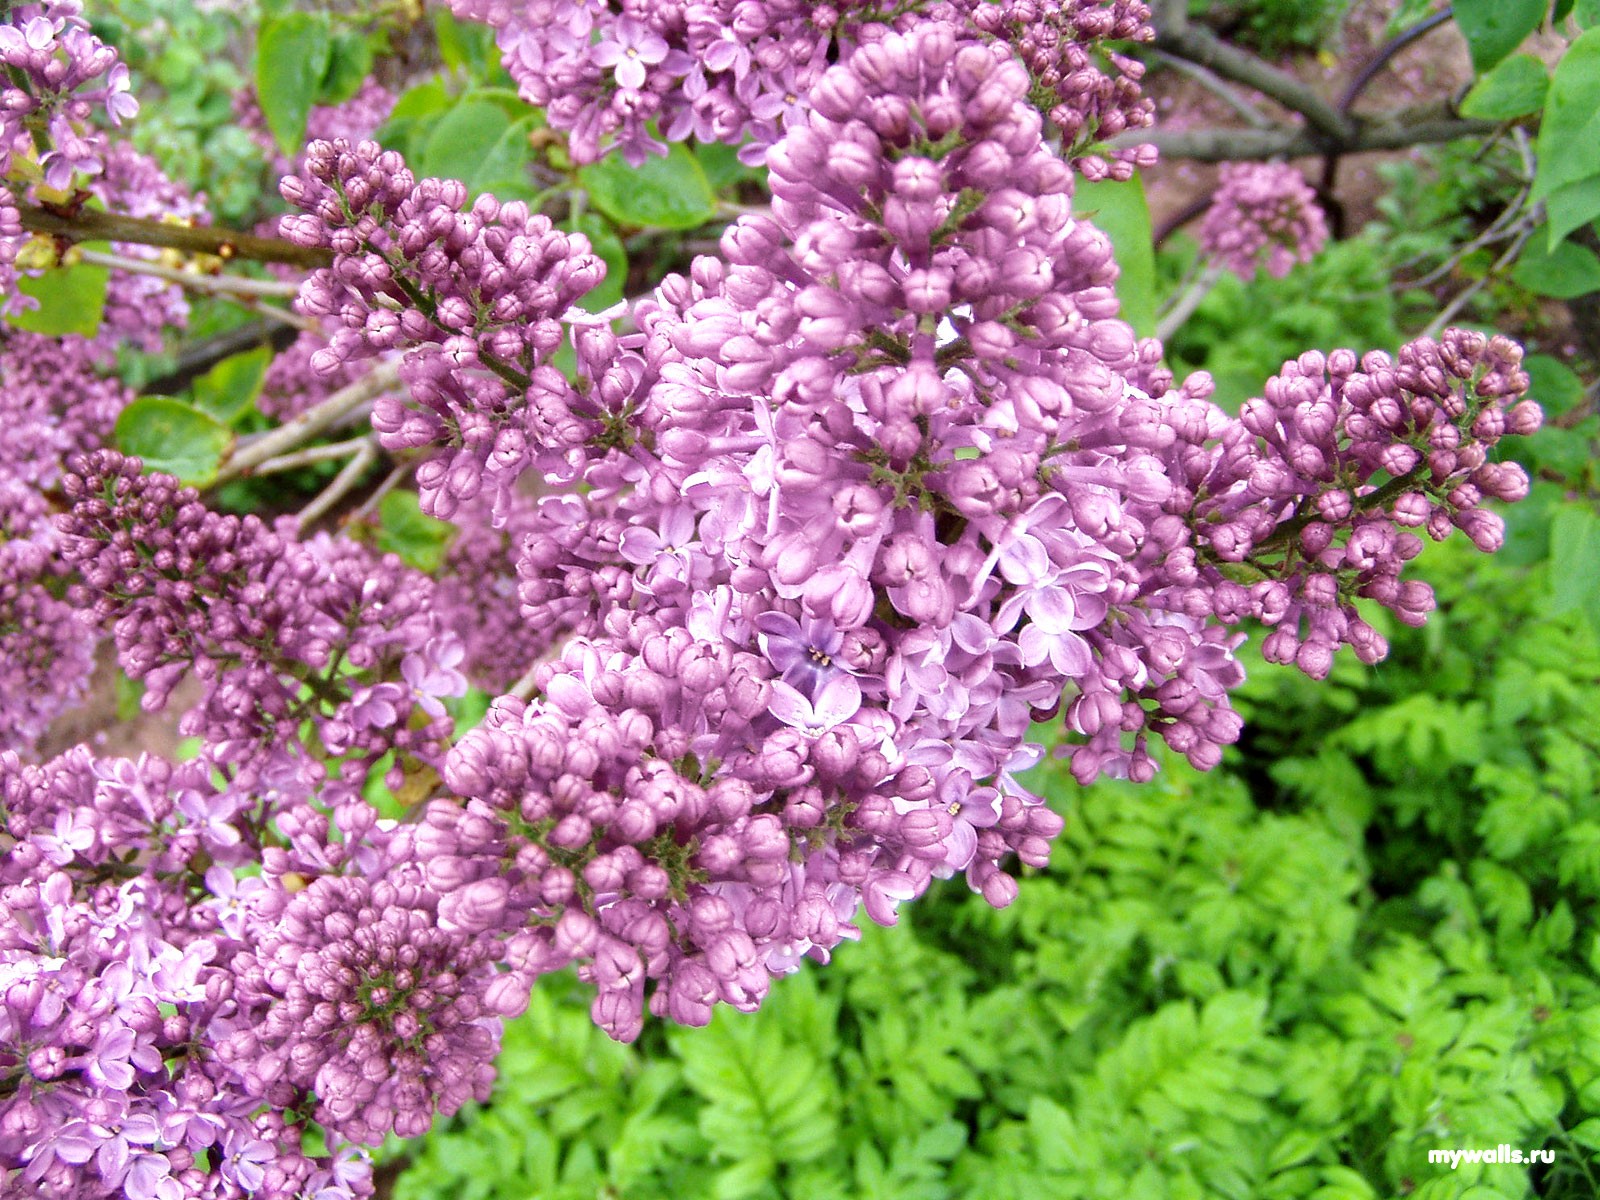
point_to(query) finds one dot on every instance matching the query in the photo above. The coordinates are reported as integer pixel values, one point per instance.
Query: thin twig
(278, 316)
(229, 285)
(1386, 52)
(1500, 264)
(1217, 86)
(1189, 300)
(312, 454)
(196, 358)
(246, 293)
(342, 484)
(90, 225)
(390, 481)
(1201, 46)
(1397, 129)
(1508, 224)
(297, 432)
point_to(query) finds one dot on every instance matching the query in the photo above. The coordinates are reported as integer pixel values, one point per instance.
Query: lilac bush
(822, 528)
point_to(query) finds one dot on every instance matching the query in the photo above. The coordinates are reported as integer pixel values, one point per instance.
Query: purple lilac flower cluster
(1263, 214)
(292, 384)
(1306, 502)
(54, 74)
(717, 70)
(475, 297)
(841, 514)
(861, 500)
(53, 404)
(117, 983)
(280, 631)
(1095, 90)
(57, 73)
(371, 999)
(737, 71)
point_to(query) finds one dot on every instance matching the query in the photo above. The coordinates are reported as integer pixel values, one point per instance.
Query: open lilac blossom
(804, 654)
(629, 49)
(836, 702)
(431, 672)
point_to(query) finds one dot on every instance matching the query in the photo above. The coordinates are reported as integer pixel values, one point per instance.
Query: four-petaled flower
(837, 701)
(628, 51)
(805, 654)
(431, 672)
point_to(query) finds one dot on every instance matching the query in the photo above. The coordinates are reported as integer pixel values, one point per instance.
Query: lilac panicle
(788, 569)
(280, 618)
(482, 293)
(53, 404)
(738, 71)
(55, 76)
(1263, 214)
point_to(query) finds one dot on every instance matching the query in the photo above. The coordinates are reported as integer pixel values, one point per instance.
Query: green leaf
(1494, 28)
(660, 193)
(721, 164)
(349, 64)
(462, 141)
(291, 61)
(1517, 86)
(174, 437)
(414, 114)
(609, 247)
(505, 168)
(230, 388)
(425, 100)
(1586, 1133)
(71, 300)
(1586, 13)
(1120, 212)
(1568, 134)
(129, 693)
(1552, 384)
(464, 46)
(1571, 206)
(1567, 271)
(404, 529)
(1575, 562)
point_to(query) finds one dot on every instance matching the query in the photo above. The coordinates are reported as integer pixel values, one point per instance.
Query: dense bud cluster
(1290, 497)
(292, 383)
(368, 1004)
(267, 622)
(52, 405)
(474, 296)
(1263, 214)
(12, 236)
(1061, 45)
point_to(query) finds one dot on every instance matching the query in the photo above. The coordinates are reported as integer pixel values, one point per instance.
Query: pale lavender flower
(630, 47)
(837, 700)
